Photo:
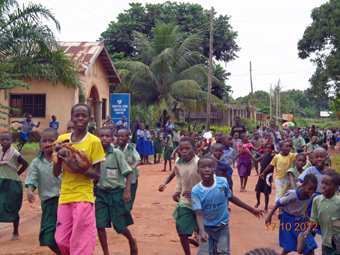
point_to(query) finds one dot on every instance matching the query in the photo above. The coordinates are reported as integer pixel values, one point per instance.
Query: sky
(268, 33)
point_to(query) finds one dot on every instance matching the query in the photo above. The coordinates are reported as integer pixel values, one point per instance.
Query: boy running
(40, 175)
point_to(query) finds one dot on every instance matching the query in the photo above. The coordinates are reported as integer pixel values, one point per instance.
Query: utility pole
(277, 102)
(280, 115)
(252, 93)
(270, 104)
(210, 68)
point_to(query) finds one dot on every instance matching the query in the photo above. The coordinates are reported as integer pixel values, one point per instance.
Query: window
(33, 104)
(104, 109)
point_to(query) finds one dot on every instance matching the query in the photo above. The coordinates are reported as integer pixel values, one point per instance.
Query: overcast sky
(268, 32)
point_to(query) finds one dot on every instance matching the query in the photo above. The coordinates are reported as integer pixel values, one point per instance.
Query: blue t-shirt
(212, 201)
(54, 125)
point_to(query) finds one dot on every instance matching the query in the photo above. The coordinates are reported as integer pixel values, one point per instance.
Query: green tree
(170, 72)
(320, 44)
(192, 19)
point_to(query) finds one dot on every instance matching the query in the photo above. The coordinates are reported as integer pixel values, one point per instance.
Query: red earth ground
(154, 226)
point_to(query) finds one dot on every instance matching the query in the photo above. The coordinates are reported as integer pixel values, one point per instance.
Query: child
(185, 134)
(228, 152)
(223, 165)
(69, 127)
(121, 124)
(211, 193)
(298, 141)
(157, 144)
(40, 175)
(283, 162)
(292, 148)
(134, 138)
(132, 158)
(114, 194)
(149, 150)
(187, 177)
(310, 163)
(293, 173)
(176, 137)
(76, 230)
(325, 212)
(333, 140)
(312, 145)
(236, 140)
(264, 185)
(293, 220)
(328, 161)
(203, 130)
(256, 142)
(54, 123)
(10, 184)
(244, 164)
(140, 147)
(167, 150)
(218, 136)
(111, 125)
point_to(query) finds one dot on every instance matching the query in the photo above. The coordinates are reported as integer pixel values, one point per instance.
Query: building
(95, 71)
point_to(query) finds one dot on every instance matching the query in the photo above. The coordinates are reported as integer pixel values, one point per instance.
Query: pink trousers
(76, 228)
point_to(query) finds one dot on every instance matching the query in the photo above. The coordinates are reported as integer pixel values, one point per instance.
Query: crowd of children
(306, 193)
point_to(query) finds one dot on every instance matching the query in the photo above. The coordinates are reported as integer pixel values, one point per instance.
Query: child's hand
(30, 196)
(298, 184)
(216, 160)
(127, 196)
(268, 220)
(306, 233)
(187, 194)
(161, 187)
(175, 197)
(257, 212)
(204, 237)
(247, 151)
(240, 150)
(262, 176)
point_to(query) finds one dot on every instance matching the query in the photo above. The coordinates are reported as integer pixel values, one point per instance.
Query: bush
(33, 137)
(249, 124)
(145, 113)
(225, 129)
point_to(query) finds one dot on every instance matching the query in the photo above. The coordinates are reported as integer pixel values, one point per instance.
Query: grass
(336, 162)
(320, 122)
(29, 148)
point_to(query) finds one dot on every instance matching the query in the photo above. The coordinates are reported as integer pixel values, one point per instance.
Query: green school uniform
(157, 145)
(176, 138)
(288, 185)
(328, 162)
(298, 142)
(168, 149)
(310, 147)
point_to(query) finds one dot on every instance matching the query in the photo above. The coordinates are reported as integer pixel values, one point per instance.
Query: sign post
(120, 106)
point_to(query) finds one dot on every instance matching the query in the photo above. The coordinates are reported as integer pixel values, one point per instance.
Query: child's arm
(30, 194)
(173, 153)
(269, 218)
(137, 163)
(167, 180)
(240, 153)
(127, 192)
(200, 223)
(252, 158)
(24, 164)
(57, 168)
(291, 179)
(239, 203)
(268, 168)
(205, 151)
(178, 185)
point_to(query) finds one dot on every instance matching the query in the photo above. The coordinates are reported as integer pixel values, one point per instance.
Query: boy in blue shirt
(209, 199)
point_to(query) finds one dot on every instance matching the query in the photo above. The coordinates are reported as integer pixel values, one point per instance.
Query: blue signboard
(120, 106)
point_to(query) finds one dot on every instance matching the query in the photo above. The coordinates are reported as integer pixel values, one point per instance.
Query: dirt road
(154, 226)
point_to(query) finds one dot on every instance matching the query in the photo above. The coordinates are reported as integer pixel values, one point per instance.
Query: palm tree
(170, 71)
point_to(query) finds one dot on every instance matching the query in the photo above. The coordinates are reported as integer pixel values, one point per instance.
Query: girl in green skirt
(10, 184)
(157, 144)
(167, 150)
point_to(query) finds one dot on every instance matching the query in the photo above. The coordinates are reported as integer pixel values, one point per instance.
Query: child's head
(283, 136)
(29, 117)
(168, 131)
(218, 135)
(6, 139)
(141, 126)
(267, 136)
(226, 140)
(290, 140)
(235, 135)
(300, 160)
(310, 184)
(123, 118)
(105, 135)
(244, 138)
(108, 118)
(314, 139)
(54, 118)
(311, 159)
(176, 128)
(256, 134)
(203, 127)
(330, 184)
(325, 146)
(185, 132)
(80, 116)
(70, 127)
(147, 127)
(194, 135)
(158, 124)
(48, 136)
(123, 136)
(237, 120)
(271, 139)
(162, 130)
(217, 150)
(296, 133)
(91, 118)
(285, 148)
(137, 119)
(112, 126)
(206, 168)
(187, 148)
(268, 148)
(320, 158)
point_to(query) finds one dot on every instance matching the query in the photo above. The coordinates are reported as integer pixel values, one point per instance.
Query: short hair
(224, 137)
(81, 104)
(106, 128)
(310, 178)
(159, 124)
(188, 139)
(185, 130)
(301, 155)
(54, 116)
(281, 144)
(124, 130)
(219, 131)
(205, 157)
(51, 131)
(29, 115)
(325, 146)
(7, 133)
(242, 135)
(335, 176)
(237, 117)
(217, 145)
(270, 144)
(191, 132)
(169, 131)
(311, 155)
(147, 126)
(203, 126)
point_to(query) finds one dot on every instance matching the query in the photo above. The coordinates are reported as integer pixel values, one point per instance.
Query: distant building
(325, 114)
(95, 71)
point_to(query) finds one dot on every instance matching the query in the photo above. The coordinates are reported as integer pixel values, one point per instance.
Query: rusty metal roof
(86, 53)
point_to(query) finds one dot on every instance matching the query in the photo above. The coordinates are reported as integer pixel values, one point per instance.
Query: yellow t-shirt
(75, 187)
(283, 163)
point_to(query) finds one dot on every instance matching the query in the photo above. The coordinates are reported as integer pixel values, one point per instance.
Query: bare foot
(257, 205)
(265, 210)
(170, 170)
(244, 190)
(133, 247)
(241, 190)
(15, 236)
(163, 170)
